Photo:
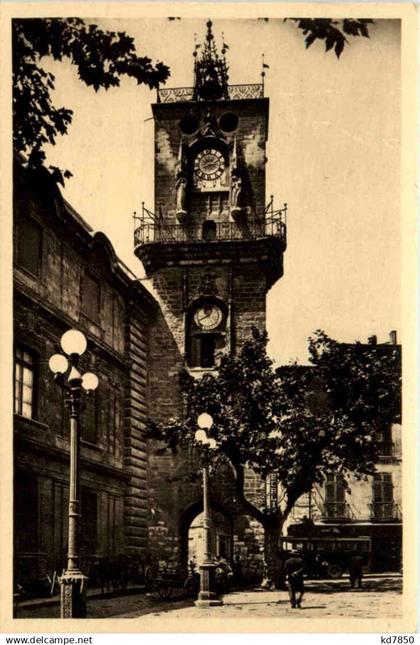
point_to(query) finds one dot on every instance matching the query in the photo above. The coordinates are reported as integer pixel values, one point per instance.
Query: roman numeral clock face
(209, 165)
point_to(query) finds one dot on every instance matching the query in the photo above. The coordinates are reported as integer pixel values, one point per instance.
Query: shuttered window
(91, 297)
(29, 246)
(335, 498)
(334, 489)
(383, 491)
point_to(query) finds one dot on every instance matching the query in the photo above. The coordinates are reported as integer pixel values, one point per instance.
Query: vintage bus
(327, 556)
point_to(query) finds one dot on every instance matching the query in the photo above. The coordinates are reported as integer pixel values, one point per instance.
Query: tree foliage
(102, 58)
(333, 32)
(299, 423)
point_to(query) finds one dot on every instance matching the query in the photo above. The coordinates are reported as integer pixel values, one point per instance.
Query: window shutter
(29, 246)
(388, 493)
(377, 488)
(91, 297)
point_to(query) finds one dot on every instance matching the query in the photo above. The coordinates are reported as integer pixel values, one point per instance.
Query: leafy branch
(333, 32)
(102, 58)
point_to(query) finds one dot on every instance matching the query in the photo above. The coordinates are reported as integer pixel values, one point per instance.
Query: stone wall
(48, 301)
(135, 503)
(174, 481)
(251, 136)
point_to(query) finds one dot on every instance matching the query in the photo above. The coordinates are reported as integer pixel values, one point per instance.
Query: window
(89, 522)
(384, 444)
(89, 418)
(382, 488)
(205, 332)
(118, 321)
(112, 525)
(29, 246)
(202, 350)
(114, 421)
(26, 512)
(335, 497)
(207, 347)
(24, 383)
(382, 497)
(383, 506)
(91, 297)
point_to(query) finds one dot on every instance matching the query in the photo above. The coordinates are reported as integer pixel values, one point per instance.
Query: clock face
(209, 164)
(208, 317)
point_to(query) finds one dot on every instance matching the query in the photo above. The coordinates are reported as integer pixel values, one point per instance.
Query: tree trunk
(272, 561)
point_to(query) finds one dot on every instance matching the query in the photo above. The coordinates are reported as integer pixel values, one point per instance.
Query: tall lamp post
(206, 597)
(73, 582)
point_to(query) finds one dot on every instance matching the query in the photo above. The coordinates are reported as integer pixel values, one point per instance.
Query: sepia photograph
(208, 427)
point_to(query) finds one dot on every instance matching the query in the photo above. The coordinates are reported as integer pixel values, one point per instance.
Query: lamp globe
(90, 381)
(73, 342)
(205, 421)
(58, 364)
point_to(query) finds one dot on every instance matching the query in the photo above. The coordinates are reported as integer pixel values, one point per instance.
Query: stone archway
(191, 532)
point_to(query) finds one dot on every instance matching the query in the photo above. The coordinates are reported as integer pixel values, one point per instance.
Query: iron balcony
(151, 229)
(384, 511)
(235, 92)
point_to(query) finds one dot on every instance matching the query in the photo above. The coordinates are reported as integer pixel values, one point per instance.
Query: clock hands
(201, 318)
(210, 165)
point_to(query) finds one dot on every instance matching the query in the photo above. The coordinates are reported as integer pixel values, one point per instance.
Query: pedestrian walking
(356, 570)
(294, 569)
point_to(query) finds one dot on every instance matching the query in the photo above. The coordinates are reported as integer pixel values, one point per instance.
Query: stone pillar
(207, 597)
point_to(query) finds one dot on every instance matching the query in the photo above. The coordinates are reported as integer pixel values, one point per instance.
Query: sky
(333, 155)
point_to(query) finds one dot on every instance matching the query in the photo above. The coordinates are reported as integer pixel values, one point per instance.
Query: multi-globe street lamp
(73, 581)
(207, 597)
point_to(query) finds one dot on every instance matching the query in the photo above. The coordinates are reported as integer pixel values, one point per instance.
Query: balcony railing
(151, 229)
(336, 511)
(236, 92)
(384, 511)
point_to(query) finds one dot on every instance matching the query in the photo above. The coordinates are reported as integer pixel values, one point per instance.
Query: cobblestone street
(379, 598)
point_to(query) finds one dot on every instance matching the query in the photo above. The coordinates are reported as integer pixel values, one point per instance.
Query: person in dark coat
(356, 570)
(294, 569)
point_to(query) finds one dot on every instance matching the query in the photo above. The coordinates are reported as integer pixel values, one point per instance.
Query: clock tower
(211, 246)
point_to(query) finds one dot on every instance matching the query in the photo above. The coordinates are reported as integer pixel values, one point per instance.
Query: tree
(298, 423)
(333, 32)
(102, 58)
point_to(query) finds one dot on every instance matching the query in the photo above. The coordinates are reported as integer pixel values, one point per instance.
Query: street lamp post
(207, 597)
(73, 581)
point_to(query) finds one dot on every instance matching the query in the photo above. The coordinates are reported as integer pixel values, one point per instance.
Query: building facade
(212, 248)
(371, 508)
(66, 276)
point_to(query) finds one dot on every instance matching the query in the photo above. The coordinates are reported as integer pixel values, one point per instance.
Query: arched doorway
(220, 537)
(192, 536)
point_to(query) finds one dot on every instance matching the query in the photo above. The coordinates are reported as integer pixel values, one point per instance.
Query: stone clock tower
(212, 248)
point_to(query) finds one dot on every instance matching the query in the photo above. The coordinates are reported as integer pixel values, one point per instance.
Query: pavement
(380, 597)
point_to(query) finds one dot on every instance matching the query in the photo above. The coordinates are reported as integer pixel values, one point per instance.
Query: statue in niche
(181, 197)
(207, 284)
(235, 195)
(236, 183)
(210, 126)
(181, 164)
